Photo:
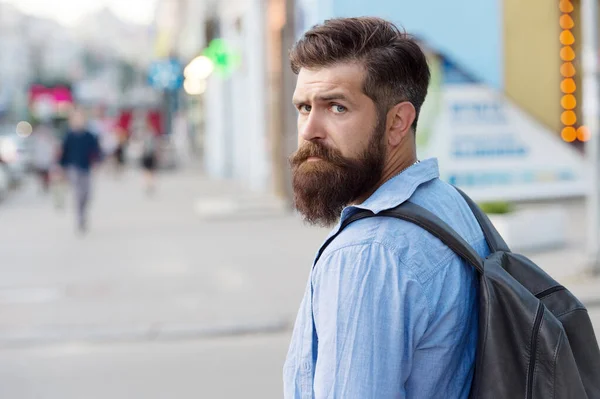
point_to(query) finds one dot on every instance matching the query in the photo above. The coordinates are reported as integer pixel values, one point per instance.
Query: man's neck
(396, 165)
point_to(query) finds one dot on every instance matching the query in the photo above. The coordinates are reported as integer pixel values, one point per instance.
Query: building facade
(241, 110)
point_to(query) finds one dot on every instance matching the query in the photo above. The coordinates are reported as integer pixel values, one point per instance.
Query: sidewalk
(150, 268)
(568, 265)
(161, 268)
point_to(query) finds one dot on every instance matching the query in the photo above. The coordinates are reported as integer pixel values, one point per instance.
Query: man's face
(341, 150)
(77, 120)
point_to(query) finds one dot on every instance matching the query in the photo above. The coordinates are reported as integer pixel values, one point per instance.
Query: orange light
(567, 38)
(568, 118)
(566, 22)
(565, 6)
(568, 134)
(568, 86)
(567, 53)
(567, 70)
(568, 101)
(583, 133)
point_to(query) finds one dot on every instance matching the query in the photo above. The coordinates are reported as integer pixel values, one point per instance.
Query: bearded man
(389, 311)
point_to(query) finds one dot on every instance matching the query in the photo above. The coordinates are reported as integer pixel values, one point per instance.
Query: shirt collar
(396, 190)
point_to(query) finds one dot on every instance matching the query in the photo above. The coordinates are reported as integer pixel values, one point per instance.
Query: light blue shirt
(389, 311)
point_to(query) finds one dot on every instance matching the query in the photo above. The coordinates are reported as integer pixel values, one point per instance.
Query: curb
(153, 332)
(230, 208)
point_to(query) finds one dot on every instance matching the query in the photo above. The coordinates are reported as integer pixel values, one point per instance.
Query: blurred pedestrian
(149, 157)
(80, 152)
(45, 149)
(58, 187)
(389, 311)
(109, 136)
(119, 158)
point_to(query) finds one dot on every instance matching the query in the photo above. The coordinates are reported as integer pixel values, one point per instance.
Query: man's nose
(312, 129)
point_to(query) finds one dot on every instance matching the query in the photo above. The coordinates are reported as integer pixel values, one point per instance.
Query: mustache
(310, 150)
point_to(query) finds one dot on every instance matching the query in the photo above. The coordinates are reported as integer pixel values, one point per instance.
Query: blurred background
(187, 280)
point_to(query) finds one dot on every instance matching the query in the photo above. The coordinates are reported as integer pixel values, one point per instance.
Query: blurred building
(117, 55)
(242, 109)
(102, 58)
(244, 118)
(16, 69)
(542, 62)
(236, 138)
(109, 35)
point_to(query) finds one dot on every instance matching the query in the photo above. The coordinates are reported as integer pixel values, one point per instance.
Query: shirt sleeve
(369, 315)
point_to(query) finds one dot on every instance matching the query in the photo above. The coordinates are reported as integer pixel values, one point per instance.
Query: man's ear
(400, 119)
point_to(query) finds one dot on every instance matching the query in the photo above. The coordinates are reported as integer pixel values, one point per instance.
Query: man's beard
(322, 188)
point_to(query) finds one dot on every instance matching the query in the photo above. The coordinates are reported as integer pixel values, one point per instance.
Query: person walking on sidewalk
(149, 159)
(80, 151)
(389, 311)
(44, 151)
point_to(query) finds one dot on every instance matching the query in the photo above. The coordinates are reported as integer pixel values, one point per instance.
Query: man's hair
(396, 67)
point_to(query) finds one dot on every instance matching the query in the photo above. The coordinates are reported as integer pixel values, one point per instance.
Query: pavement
(213, 368)
(150, 267)
(191, 292)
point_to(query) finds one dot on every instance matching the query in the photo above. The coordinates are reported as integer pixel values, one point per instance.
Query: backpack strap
(425, 219)
(492, 237)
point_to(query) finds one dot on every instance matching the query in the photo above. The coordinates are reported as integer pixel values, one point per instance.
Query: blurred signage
(494, 150)
(166, 74)
(48, 102)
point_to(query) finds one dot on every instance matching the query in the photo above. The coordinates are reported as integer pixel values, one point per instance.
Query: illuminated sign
(570, 131)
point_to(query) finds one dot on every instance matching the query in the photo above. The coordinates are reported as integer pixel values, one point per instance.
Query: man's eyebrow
(323, 98)
(333, 96)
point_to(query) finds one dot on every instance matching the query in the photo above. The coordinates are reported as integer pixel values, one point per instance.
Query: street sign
(492, 149)
(166, 74)
(489, 146)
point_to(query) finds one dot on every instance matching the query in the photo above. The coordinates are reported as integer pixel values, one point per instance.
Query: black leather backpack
(536, 339)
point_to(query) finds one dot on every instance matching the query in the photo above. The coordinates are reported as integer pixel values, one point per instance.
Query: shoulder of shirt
(416, 249)
(391, 235)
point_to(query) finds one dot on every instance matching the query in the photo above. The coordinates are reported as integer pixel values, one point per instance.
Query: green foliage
(496, 207)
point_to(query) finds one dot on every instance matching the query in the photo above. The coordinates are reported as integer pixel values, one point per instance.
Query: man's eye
(304, 108)
(338, 109)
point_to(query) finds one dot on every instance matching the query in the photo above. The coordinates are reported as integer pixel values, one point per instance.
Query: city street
(158, 300)
(136, 307)
(190, 288)
(239, 367)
